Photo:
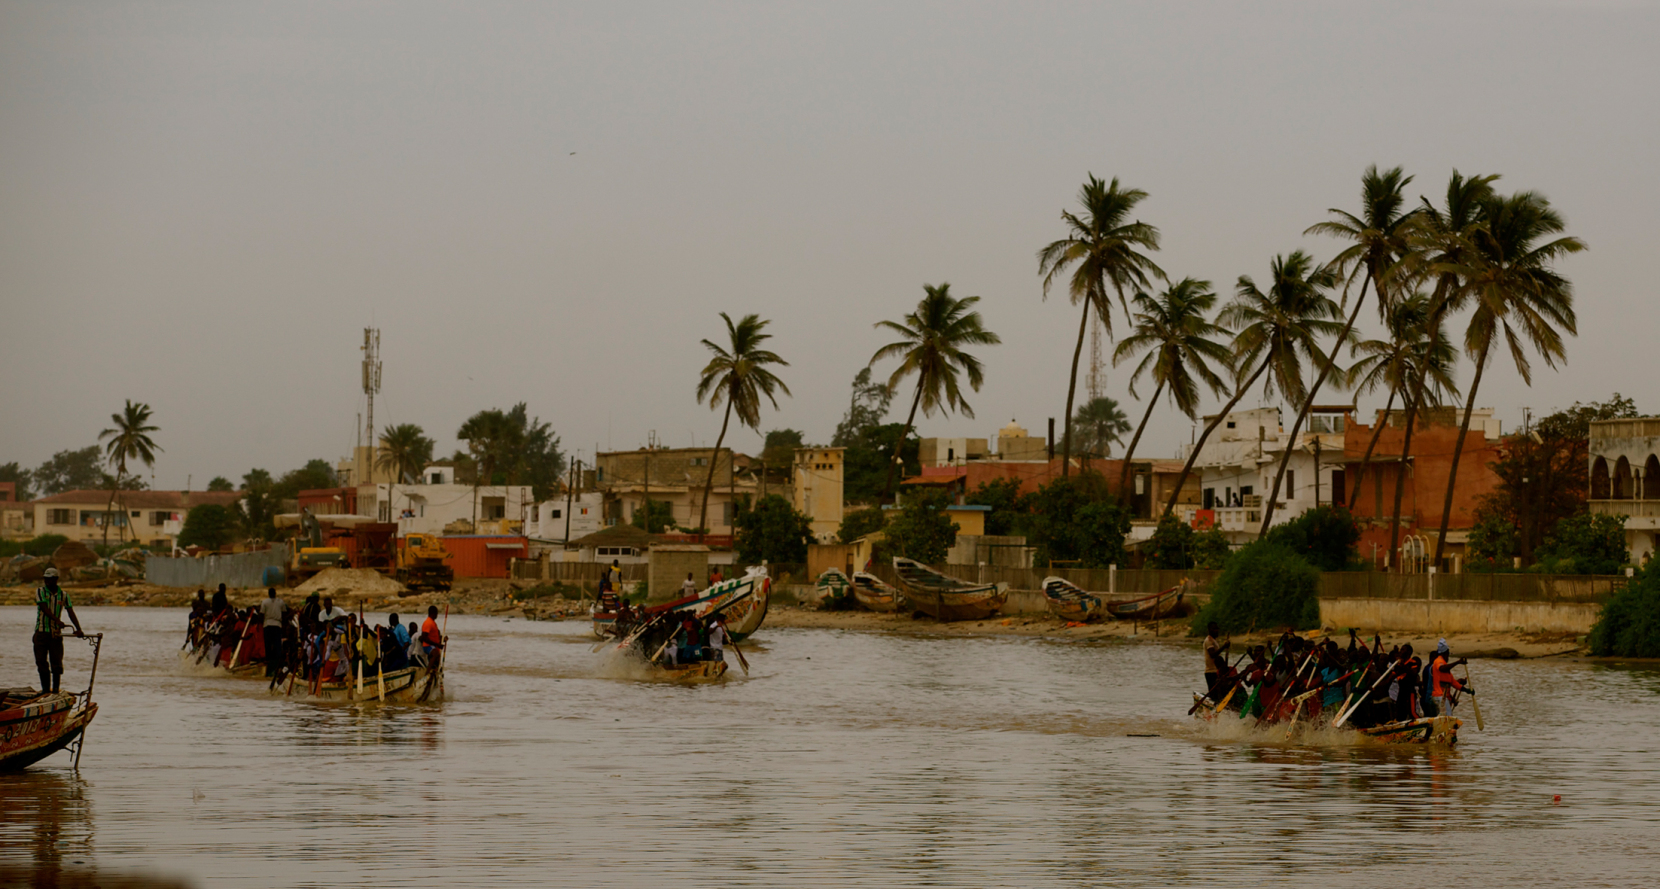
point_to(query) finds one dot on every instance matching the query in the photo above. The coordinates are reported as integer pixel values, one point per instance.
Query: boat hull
(945, 598)
(874, 595)
(693, 673)
(35, 729)
(1146, 608)
(411, 685)
(1070, 602)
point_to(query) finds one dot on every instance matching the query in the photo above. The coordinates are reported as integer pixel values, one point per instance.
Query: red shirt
(430, 636)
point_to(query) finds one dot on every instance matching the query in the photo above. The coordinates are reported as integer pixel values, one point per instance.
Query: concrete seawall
(1459, 616)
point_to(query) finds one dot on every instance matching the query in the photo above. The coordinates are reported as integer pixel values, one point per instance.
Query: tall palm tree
(128, 439)
(1174, 332)
(737, 376)
(1275, 330)
(1101, 247)
(404, 450)
(1100, 423)
(1507, 270)
(1395, 362)
(1380, 235)
(932, 343)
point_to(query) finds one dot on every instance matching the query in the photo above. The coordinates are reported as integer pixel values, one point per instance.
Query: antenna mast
(371, 376)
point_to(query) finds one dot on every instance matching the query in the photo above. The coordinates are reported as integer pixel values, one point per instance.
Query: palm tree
(1275, 330)
(1380, 239)
(1100, 423)
(1395, 363)
(1172, 329)
(1508, 278)
(128, 439)
(931, 345)
(404, 450)
(1101, 248)
(737, 376)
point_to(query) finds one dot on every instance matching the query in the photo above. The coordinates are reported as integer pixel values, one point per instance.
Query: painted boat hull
(694, 673)
(871, 593)
(946, 598)
(410, 685)
(1165, 604)
(752, 592)
(1070, 602)
(33, 730)
(1440, 730)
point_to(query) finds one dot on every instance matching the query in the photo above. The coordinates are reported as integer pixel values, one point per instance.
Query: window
(158, 518)
(554, 513)
(1210, 498)
(1290, 483)
(1338, 492)
(136, 513)
(1230, 424)
(700, 461)
(60, 517)
(495, 512)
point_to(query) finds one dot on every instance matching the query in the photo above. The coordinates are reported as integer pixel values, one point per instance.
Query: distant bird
(573, 154)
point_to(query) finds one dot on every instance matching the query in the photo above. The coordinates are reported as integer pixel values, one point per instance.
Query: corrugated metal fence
(236, 570)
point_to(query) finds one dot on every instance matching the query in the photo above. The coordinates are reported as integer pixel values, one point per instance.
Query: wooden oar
(1473, 705)
(238, 652)
(1234, 671)
(742, 661)
(1344, 716)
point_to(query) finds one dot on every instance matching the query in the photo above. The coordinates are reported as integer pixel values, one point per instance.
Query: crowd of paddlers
(670, 637)
(319, 643)
(1322, 682)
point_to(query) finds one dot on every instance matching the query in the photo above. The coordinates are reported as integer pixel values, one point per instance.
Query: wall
(1426, 480)
(1458, 616)
(821, 556)
(669, 566)
(240, 570)
(474, 556)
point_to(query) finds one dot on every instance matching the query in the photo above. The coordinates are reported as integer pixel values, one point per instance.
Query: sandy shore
(495, 597)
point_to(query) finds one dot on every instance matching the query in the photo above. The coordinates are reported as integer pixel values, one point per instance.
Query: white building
(428, 507)
(549, 521)
(1238, 463)
(1625, 479)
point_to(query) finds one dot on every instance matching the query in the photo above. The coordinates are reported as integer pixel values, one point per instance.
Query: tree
(1585, 544)
(1101, 248)
(404, 451)
(489, 437)
(533, 456)
(128, 439)
(1265, 586)
(737, 376)
(23, 478)
(866, 462)
(1099, 423)
(1630, 621)
(932, 343)
(76, 470)
(771, 532)
(921, 529)
(1008, 505)
(1508, 275)
(1075, 519)
(1172, 329)
(856, 523)
(220, 484)
(1410, 351)
(865, 410)
(1324, 536)
(257, 510)
(209, 526)
(1175, 545)
(1380, 234)
(654, 517)
(1275, 329)
(778, 453)
(315, 475)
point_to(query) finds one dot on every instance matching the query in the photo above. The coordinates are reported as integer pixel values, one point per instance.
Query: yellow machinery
(421, 563)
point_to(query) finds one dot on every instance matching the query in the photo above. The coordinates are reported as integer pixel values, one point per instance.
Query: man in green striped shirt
(51, 601)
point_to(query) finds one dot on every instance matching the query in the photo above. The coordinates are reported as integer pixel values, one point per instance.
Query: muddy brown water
(844, 759)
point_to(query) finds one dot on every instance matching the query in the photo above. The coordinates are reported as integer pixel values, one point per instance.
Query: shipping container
(475, 555)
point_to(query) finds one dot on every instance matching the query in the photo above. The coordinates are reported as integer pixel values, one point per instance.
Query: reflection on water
(845, 759)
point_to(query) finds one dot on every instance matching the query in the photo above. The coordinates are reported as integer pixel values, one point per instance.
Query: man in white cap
(50, 603)
(1444, 686)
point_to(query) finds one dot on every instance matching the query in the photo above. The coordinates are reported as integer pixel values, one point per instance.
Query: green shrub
(1325, 536)
(44, 545)
(859, 522)
(771, 531)
(1076, 519)
(1176, 545)
(1585, 544)
(922, 530)
(1265, 586)
(209, 526)
(1630, 622)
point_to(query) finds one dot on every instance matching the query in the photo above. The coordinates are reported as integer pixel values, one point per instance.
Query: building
(559, 519)
(429, 507)
(361, 469)
(1423, 492)
(817, 491)
(937, 452)
(675, 476)
(17, 518)
(1240, 459)
(1013, 444)
(1625, 479)
(153, 518)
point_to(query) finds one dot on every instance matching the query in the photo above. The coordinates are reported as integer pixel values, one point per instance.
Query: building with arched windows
(1625, 478)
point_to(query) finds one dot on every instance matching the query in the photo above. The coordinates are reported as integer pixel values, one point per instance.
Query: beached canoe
(834, 590)
(946, 598)
(871, 593)
(1159, 605)
(1070, 602)
(34, 726)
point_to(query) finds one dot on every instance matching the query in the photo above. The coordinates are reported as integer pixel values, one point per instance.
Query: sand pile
(345, 581)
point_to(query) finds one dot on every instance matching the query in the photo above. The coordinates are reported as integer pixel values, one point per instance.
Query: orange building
(1434, 436)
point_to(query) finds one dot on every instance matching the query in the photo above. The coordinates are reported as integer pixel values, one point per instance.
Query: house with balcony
(1625, 479)
(1237, 465)
(677, 477)
(151, 518)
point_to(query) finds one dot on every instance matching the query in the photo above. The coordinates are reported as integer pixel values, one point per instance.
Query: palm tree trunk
(709, 482)
(1458, 451)
(1124, 473)
(1308, 404)
(899, 447)
(1198, 446)
(1072, 390)
(1400, 483)
(1370, 447)
(109, 508)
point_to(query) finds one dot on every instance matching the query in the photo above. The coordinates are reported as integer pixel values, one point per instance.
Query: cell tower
(1094, 381)
(371, 376)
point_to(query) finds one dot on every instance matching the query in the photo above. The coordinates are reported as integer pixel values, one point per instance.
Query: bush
(859, 522)
(209, 526)
(772, 532)
(1171, 545)
(1585, 544)
(1074, 519)
(922, 530)
(1265, 586)
(44, 545)
(1325, 536)
(1630, 622)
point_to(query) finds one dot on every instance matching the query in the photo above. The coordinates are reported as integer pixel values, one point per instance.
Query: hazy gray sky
(202, 205)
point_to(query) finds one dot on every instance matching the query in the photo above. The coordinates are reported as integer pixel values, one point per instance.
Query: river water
(843, 759)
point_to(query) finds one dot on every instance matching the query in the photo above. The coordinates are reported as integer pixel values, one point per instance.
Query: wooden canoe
(693, 673)
(1070, 602)
(410, 685)
(871, 593)
(743, 601)
(946, 598)
(35, 725)
(1157, 606)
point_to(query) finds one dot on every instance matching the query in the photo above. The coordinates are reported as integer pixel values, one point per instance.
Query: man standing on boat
(1216, 656)
(717, 638)
(271, 610)
(1444, 686)
(50, 602)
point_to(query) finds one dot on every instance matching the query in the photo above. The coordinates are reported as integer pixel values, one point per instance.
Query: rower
(1443, 685)
(717, 638)
(431, 638)
(50, 602)
(1215, 656)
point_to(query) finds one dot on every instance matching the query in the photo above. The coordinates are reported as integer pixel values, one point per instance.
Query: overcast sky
(203, 205)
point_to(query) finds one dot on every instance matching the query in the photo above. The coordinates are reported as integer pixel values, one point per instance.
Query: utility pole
(651, 442)
(371, 388)
(570, 496)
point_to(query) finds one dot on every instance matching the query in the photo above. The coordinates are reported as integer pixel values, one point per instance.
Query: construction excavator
(421, 563)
